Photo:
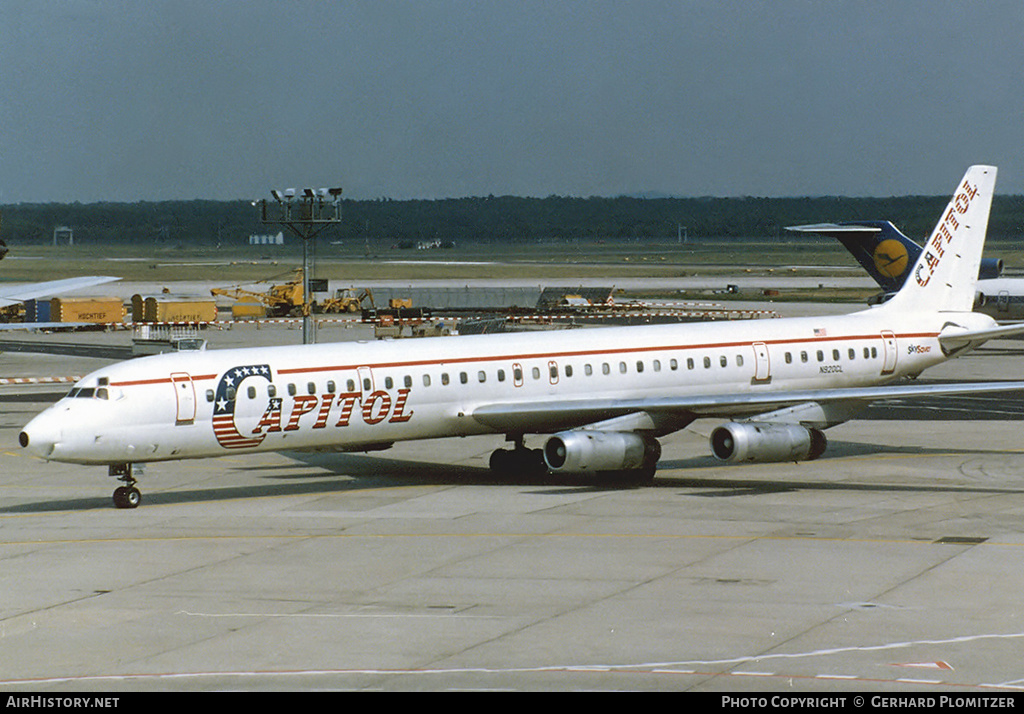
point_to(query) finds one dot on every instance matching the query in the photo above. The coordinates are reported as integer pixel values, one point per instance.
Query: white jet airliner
(603, 396)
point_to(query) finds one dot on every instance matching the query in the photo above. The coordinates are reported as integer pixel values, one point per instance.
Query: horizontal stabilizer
(954, 337)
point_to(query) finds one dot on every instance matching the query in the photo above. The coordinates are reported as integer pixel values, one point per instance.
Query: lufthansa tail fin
(884, 251)
(945, 274)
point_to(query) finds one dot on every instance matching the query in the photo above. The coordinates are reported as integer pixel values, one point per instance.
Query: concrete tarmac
(894, 563)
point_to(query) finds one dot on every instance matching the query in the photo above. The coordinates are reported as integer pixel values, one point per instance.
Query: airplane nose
(40, 437)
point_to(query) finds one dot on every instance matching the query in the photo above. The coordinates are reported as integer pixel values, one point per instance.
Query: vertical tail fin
(944, 277)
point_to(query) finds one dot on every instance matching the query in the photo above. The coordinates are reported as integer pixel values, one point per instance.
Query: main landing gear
(126, 496)
(519, 461)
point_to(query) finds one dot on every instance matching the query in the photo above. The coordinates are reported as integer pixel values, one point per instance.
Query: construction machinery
(347, 300)
(286, 299)
(280, 300)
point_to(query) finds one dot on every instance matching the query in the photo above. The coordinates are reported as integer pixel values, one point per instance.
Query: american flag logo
(224, 406)
(820, 332)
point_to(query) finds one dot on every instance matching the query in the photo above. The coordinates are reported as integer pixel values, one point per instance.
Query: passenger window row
(554, 372)
(851, 354)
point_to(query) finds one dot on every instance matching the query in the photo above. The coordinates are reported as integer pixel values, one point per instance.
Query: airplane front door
(185, 397)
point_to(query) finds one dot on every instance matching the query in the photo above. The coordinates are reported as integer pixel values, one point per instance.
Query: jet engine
(990, 268)
(763, 442)
(585, 451)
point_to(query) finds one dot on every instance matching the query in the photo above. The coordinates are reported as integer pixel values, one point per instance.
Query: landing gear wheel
(127, 497)
(518, 462)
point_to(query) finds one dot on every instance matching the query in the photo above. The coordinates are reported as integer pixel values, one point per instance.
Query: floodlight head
(278, 196)
(334, 191)
(308, 193)
(289, 193)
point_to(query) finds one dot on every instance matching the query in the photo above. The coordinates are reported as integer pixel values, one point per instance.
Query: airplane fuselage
(366, 395)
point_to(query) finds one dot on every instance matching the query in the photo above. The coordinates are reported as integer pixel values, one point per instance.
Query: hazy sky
(126, 100)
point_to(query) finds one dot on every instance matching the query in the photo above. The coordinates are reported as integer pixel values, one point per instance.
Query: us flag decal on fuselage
(224, 406)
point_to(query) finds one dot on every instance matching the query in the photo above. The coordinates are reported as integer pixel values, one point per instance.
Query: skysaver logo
(918, 349)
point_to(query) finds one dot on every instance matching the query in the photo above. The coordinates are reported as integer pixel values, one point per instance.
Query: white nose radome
(40, 436)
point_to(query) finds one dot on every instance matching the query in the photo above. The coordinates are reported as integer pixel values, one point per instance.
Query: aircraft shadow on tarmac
(320, 474)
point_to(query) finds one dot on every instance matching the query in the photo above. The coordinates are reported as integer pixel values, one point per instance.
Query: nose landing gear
(126, 496)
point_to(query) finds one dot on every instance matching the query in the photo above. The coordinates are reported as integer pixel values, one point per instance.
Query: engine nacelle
(764, 442)
(586, 451)
(990, 268)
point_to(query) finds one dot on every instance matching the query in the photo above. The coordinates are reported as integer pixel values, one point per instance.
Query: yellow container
(87, 309)
(243, 310)
(172, 308)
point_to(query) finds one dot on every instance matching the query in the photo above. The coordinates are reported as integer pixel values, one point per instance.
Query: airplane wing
(540, 417)
(13, 294)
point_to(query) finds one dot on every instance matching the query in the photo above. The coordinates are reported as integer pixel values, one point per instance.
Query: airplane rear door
(888, 352)
(185, 397)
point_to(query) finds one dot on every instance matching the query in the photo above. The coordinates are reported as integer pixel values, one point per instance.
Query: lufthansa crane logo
(890, 258)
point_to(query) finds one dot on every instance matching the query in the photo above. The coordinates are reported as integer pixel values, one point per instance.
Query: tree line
(501, 219)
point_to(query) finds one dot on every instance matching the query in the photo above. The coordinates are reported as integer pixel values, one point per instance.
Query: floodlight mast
(306, 213)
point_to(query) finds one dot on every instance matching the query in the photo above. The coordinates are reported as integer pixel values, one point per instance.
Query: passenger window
(622, 368)
(723, 360)
(463, 377)
(568, 370)
(389, 383)
(656, 365)
(789, 358)
(426, 380)
(639, 366)
(835, 355)
(251, 392)
(852, 354)
(330, 386)
(588, 369)
(689, 362)
(803, 356)
(311, 388)
(821, 356)
(606, 368)
(739, 360)
(271, 391)
(673, 364)
(707, 363)
(210, 396)
(535, 372)
(481, 376)
(444, 378)
(407, 380)
(291, 390)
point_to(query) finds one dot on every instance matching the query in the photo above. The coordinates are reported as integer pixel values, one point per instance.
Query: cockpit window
(89, 393)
